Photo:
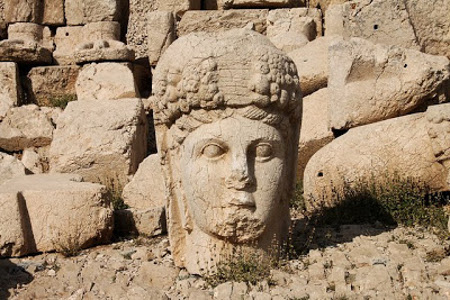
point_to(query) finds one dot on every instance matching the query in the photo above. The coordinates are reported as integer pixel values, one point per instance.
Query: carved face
(231, 173)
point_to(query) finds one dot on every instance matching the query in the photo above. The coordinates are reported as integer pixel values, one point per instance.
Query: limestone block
(14, 232)
(289, 29)
(10, 167)
(217, 21)
(36, 159)
(26, 126)
(400, 145)
(23, 11)
(137, 33)
(80, 12)
(105, 81)
(50, 83)
(149, 222)
(431, 23)
(179, 7)
(312, 64)
(379, 21)
(108, 138)
(371, 82)
(146, 189)
(102, 50)
(30, 33)
(161, 33)
(24, 52)
(226, 4)
(314, 131)
(324, 4)
(10, 89)
(62, 210)
(53, 12)
(66, 40)
(106, 30)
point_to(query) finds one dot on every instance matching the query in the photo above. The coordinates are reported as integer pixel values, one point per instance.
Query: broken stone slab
(218, 21)
(27, 126)
(53, 13)
(161, 33)
(49, 85)
(10, 167)
(312, 63)
(23, 11)
(379, 21)
(179, 7)
(105, 81)
(146, 189)
(372, 82)
(400, 146)
(289, 29)
(80, 12)
(103, 50)
(314, 131)
(132, 222)
(24, 52)
(10, 88)
(108, 139)
(59, 211)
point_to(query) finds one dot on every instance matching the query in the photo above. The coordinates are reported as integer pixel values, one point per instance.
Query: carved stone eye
(263, 151)
(212, 151)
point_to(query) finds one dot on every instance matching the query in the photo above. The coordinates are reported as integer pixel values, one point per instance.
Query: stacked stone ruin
(375, 77)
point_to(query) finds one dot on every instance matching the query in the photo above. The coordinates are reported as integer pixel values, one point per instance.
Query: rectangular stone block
(216, 21)
(179, 7)
(150, 222)
(161, 33)
(53, 12)
(66, 40)
(49, 84)
(80, 12)
(10, 90)
(23, 11)
(227, 4)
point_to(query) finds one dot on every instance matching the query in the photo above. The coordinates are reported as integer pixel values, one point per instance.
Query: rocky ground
(346, 262)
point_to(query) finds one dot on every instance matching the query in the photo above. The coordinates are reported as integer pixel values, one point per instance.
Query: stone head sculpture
(227, 111)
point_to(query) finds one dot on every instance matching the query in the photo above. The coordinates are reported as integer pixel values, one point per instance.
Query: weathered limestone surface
(149, 222)
(59, 210)
(219, 21)
(161, 33)
(226, 191)
(23, 11)
(105, 81)
(371, 82)
(66, 40)
(80, 12)
(107, 138)
(27, 126)
(106, 30)
(47, 84)
(400, 145)
(137, 29)
(53, 12)
(36, 159)
(102, 50)
(312, 63)
(379, 21)
(10, 167)
(324, 4)
(314, 133)
(226, 4)
(10, 89)
(24, 52)
(289, 29)
(146, 189)
(179, 7)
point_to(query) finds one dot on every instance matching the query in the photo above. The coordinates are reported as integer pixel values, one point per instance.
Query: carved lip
(243, 199)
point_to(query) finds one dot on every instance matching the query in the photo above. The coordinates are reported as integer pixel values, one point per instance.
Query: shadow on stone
(12, 276)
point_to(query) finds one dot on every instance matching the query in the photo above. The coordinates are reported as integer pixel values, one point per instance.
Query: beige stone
(36, 159)
(218, 21)
(372, 82)
(156, 276)
(312, 64)
(26, 126)
(106, 81)
(23, 11)
(149, 222)
(401, 145)
(226, 4)
(161, 33)
(66, 40)
(314, 133)
(53, 12)
(379, 21)
(179, 7)
(24, 52)
(289, 29)
(324, 4)
(10, 167)
(108, 139)
(80, 12)
(31, 34)
(106, 30)
(146, 189)
(102, 50)
(137, 29)
(10, 88)
(62, 210)
(226, 192)
(49, 84)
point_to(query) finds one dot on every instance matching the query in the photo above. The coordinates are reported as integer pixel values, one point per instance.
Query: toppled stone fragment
(26, 126)
(149, 222)
(161, 33)
(371, 82)
(108, 138)
(10, 167)
(10, 89)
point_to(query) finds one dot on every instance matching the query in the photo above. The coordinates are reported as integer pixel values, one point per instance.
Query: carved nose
(239, 178)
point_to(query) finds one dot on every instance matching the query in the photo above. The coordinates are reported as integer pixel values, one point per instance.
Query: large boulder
(27, 126)
(52, 212)
(408, 146)
(372, 82)
(10, 167)
(108, 138)
(10, 89)
(105, 81)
